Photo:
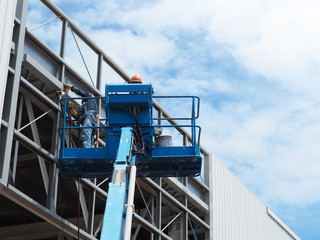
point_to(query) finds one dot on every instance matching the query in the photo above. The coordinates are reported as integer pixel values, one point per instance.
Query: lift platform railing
(72, 122)
(69, 123)
(195, 108)
(155, 160)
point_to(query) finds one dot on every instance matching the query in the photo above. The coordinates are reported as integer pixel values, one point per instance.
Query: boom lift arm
(114, 217)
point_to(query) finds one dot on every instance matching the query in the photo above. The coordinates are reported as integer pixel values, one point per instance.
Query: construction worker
(136, 79)
(87, 116)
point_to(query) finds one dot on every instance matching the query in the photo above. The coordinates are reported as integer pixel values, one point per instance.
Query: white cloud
(276, 39)
(273, 150)
(134, 51)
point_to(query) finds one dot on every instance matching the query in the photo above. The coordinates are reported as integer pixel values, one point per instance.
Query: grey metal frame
(170, 196)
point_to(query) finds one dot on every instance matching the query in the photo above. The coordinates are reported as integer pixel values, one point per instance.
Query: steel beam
(200, 184)
(40, 230)
(150, 227)
(167, 195)
(36, 208)
(35, 92)
(33, 146)
(101, 193)
(40, 72)
(59, 60)
(180, 188)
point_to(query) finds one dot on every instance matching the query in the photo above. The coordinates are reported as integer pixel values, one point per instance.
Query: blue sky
(255, 65)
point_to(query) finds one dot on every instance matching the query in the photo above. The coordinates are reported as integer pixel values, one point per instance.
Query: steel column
(62, 50)
(16, 148)
(53, 171)
(99, 70)
(6, 23)
(83, 204)
(208, 196)
(159, 207)
(184, 220)
(12, 90)
(152, 214)
(92, 204)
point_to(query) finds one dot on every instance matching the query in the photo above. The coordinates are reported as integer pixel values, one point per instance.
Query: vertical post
(99, 70)
(12, 90)
(92, 208)
(152, 214)
(208, 180)
(16, 148)
(64, 126)
(62, 49)
(53, 174)
(51, 201)
(159, 116)
(193, 123)
(129, 205)
(158, 206)
(6, 29)
(184, 220)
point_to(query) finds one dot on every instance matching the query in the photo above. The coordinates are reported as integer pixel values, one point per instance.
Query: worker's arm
(78, 91)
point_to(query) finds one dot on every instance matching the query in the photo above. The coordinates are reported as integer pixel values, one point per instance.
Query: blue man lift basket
(130, 105)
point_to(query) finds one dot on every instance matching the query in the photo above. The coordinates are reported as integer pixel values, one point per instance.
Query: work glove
(68, 86)
(72, 110)
(70, 105)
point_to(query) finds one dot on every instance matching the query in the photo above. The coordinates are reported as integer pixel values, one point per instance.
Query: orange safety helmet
(136, 79)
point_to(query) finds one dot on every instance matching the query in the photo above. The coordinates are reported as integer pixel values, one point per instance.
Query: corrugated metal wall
(239, 215)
